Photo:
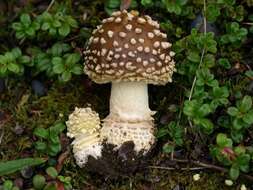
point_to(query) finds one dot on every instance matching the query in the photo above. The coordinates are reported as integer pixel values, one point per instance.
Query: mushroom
(84, 125)
(130, 52)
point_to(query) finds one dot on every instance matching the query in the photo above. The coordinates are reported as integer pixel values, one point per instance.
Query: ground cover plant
(204, 118)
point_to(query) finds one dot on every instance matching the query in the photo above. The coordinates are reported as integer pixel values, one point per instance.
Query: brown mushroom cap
(127, 47)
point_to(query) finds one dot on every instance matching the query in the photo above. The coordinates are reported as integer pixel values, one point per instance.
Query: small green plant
(235, 157)
(174, 6)
(65, 181)
(174, 132)
(66, 65)
(8, 185)
(56, 61)
(241, 117)
(57, 24)
(54, 182)
(26, 28)
(49, 141)
(235, 34)
(13, 62)
(114, 5)
(39, 181)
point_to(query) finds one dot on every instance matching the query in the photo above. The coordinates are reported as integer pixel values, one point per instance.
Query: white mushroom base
(117, 133)
(83, 125)
(83, 147)
(130, 118)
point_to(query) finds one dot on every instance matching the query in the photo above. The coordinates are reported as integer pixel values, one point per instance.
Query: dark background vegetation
(204, 118)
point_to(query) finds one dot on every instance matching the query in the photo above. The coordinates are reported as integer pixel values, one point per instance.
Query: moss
(29, 111)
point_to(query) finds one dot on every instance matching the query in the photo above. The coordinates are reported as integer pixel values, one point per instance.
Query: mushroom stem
(130, 118)
(129, 102)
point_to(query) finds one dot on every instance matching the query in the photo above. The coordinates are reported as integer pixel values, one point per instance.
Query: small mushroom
(130, 52)
(83, 125)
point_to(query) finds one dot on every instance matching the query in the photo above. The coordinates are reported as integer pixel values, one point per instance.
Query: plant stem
(50, 5)
(202, 54)
(202, 166)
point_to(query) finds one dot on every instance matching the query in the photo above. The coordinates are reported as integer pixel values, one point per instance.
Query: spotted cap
(127, 47)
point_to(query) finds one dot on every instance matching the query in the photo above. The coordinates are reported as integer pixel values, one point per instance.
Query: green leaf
(190, 107)
(45, 26)
(9, 167)
(25, 19)
(41, 146)
(52, 31)
(39, 181)
(8, 184)
(243, 162)
(51, 186)
(248, 117)
(234, 172)
(20, 34)
(3, 69)
(58, 66)
(249, 73)
(16, 52)
(54, 149)
(58, 128)
(35, 25)
(240, 150)
(194, 57)
(204, 110)
(53, 137)
(233, 111)
(162, 132)
(64, 30)
(146, 3)
(209, 60)
(13, 67)
(66, 76)
(41, 132)
(168, 148)
(223, 141)
(212, 12)
(52, 172)
(246, 104)
(77, 69)
(73, 58)
(57, 23)
(25, 60)
(224, 62)
(205, 77)
(56, 49)
(237, 136)
(238, 124)
(72, 22)
(30, 32)
(205, 124)
(17, 26)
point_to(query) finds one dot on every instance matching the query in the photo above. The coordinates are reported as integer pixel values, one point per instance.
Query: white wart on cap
(129, 48)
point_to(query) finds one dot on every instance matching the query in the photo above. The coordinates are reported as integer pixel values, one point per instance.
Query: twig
(50, 5)
(172, 168)
(1, 136)
(248, 23)
(211, 166)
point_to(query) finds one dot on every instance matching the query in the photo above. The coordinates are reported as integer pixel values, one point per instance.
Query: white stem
(130, 118)
(129, 102)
